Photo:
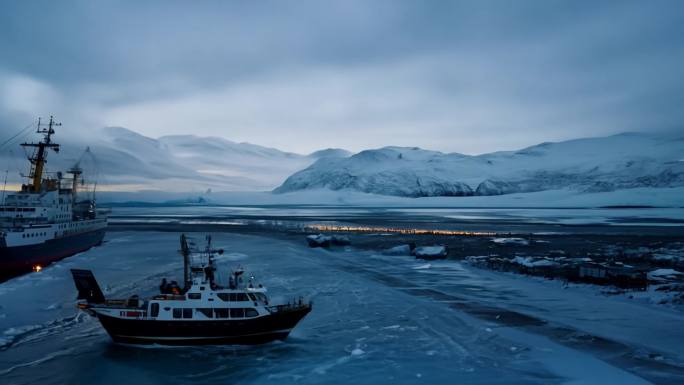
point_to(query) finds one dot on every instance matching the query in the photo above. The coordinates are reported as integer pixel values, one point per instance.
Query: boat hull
(249, 331)
(19, 260)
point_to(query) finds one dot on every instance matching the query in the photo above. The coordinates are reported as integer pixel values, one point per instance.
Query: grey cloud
(467, 76)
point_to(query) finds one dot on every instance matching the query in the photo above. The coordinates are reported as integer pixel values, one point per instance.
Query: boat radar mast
(38, 159)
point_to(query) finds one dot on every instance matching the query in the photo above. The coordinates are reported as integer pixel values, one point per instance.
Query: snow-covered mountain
(330, 153)
(595, 164)
(125, 160)
(128, 161)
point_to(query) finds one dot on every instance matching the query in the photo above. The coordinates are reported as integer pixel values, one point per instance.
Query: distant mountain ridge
(127, 160)
(616, 162)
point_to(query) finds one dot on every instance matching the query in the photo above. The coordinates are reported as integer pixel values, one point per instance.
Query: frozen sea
(376, 319)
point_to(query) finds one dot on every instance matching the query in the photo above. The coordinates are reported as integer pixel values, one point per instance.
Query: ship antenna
(185, 251)
(4, 187)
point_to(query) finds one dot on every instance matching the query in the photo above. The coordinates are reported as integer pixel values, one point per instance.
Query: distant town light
(373, 229)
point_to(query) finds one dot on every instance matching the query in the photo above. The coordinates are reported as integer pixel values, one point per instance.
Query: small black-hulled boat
(201, 313)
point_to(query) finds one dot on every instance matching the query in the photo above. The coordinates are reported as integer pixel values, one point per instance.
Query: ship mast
(4, 187)
(38, 159)
(76, 171)
(185, 251)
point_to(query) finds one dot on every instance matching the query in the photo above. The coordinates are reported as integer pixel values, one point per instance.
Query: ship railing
(115, 302)
(292, 305)
(132, 302)
(18, 224)
(169, 297)
(20, 228)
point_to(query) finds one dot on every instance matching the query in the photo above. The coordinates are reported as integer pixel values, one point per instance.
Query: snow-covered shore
(562, 198)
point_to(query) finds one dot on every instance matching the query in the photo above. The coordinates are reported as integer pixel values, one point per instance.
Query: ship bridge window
(194, 295)
(206, 312)
(233, 297)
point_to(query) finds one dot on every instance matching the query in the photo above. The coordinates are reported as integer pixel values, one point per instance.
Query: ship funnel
(87, 286)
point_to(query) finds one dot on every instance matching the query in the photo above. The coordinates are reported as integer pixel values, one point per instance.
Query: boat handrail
(169, 297)
(290, 306)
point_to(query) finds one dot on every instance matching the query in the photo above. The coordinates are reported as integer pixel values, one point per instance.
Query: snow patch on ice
(430, 252)
(392, 327)
(53, 306)
(665, 275)
(511, 241)
(398, 250)
(534, 262)
(231, 257)
(11, 334)
(357, 352)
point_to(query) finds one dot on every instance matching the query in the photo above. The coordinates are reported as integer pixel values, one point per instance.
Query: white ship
(49, 219)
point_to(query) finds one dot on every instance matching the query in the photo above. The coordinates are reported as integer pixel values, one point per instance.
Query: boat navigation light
(37, 268)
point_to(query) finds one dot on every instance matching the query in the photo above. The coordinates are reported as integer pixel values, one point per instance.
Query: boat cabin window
(237, 312)
(221, 313)
(261, 297)
(177, 313)
(251, 296)
(206, 312)
(182, 313)
(251, 313)
(154, 310)
(223, 296)
(194, 295)
(242, 297)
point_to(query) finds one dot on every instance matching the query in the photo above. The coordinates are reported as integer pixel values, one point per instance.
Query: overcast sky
(465, 76)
